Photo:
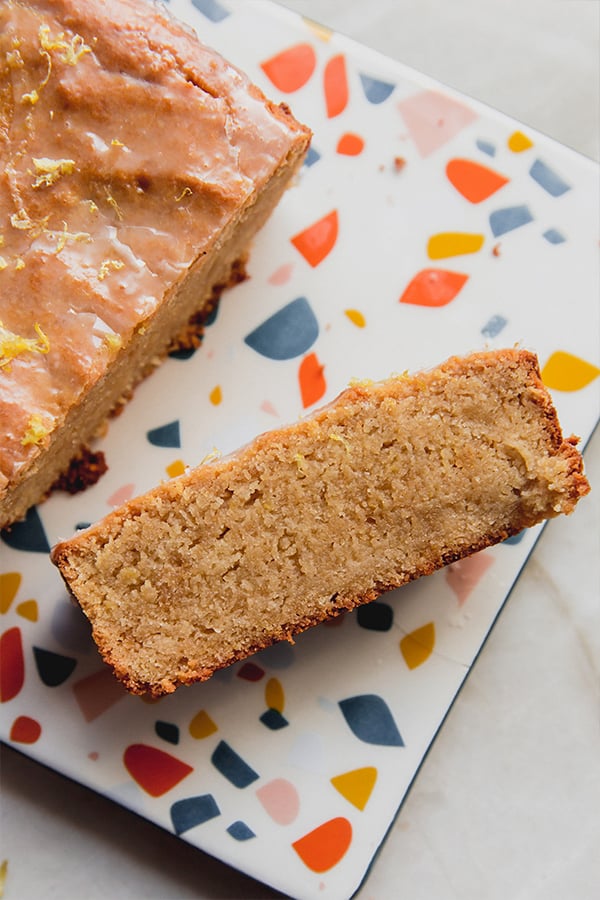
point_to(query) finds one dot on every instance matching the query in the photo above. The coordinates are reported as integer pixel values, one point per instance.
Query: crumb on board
(84, 471)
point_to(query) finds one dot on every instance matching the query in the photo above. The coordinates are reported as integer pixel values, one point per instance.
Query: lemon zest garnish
(1, 240)
(49, 70)
(36, 431)
(113, 341)
(3, 263)
(22, 222)
(112, 202)
(32, 97)
(360, 382)
(185, 193)
(19, 264)
(211, 457)
(65, 236)
(12, 345)
(337, 437)
(300, 461)
(71, 49)
(93, 207)
(116, 143)
(109, 265)
(48, 171)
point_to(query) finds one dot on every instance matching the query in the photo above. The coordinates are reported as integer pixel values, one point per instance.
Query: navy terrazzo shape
(28, 534)
(494, 326)
(183, 354)
(273, 719)
(370, 719)
(554, 236)
(376, 90)
(547, 178)
(167, 731)
(165, 435)
(213, 10)
(311, 157)
(240, 831)
(486, 147)
(232, 766)
(53, 668)
(503, 220)
(375, 616)
(287, 333)
(192, 811)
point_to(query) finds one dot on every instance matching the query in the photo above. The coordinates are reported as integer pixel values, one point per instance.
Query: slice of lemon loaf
(136, 166)
(389, 482)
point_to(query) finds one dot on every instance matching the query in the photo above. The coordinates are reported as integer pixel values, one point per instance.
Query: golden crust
(173, 490)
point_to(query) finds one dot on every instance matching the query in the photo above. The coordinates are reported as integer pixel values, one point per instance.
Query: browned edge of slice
(578, 487)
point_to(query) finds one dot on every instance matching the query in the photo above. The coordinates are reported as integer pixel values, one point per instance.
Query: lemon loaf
(389, 482)
(136, 166)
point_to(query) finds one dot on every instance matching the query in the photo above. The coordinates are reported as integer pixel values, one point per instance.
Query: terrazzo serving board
(422, 225)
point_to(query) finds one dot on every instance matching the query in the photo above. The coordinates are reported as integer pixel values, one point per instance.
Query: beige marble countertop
(507, 803)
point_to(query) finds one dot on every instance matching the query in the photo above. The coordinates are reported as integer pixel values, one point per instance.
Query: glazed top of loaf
(125, 147)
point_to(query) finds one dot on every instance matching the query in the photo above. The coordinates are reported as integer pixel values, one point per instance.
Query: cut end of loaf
(389, 482)
(147, 238)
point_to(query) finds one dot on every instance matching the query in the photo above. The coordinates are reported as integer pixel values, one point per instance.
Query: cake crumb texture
(391, 481)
